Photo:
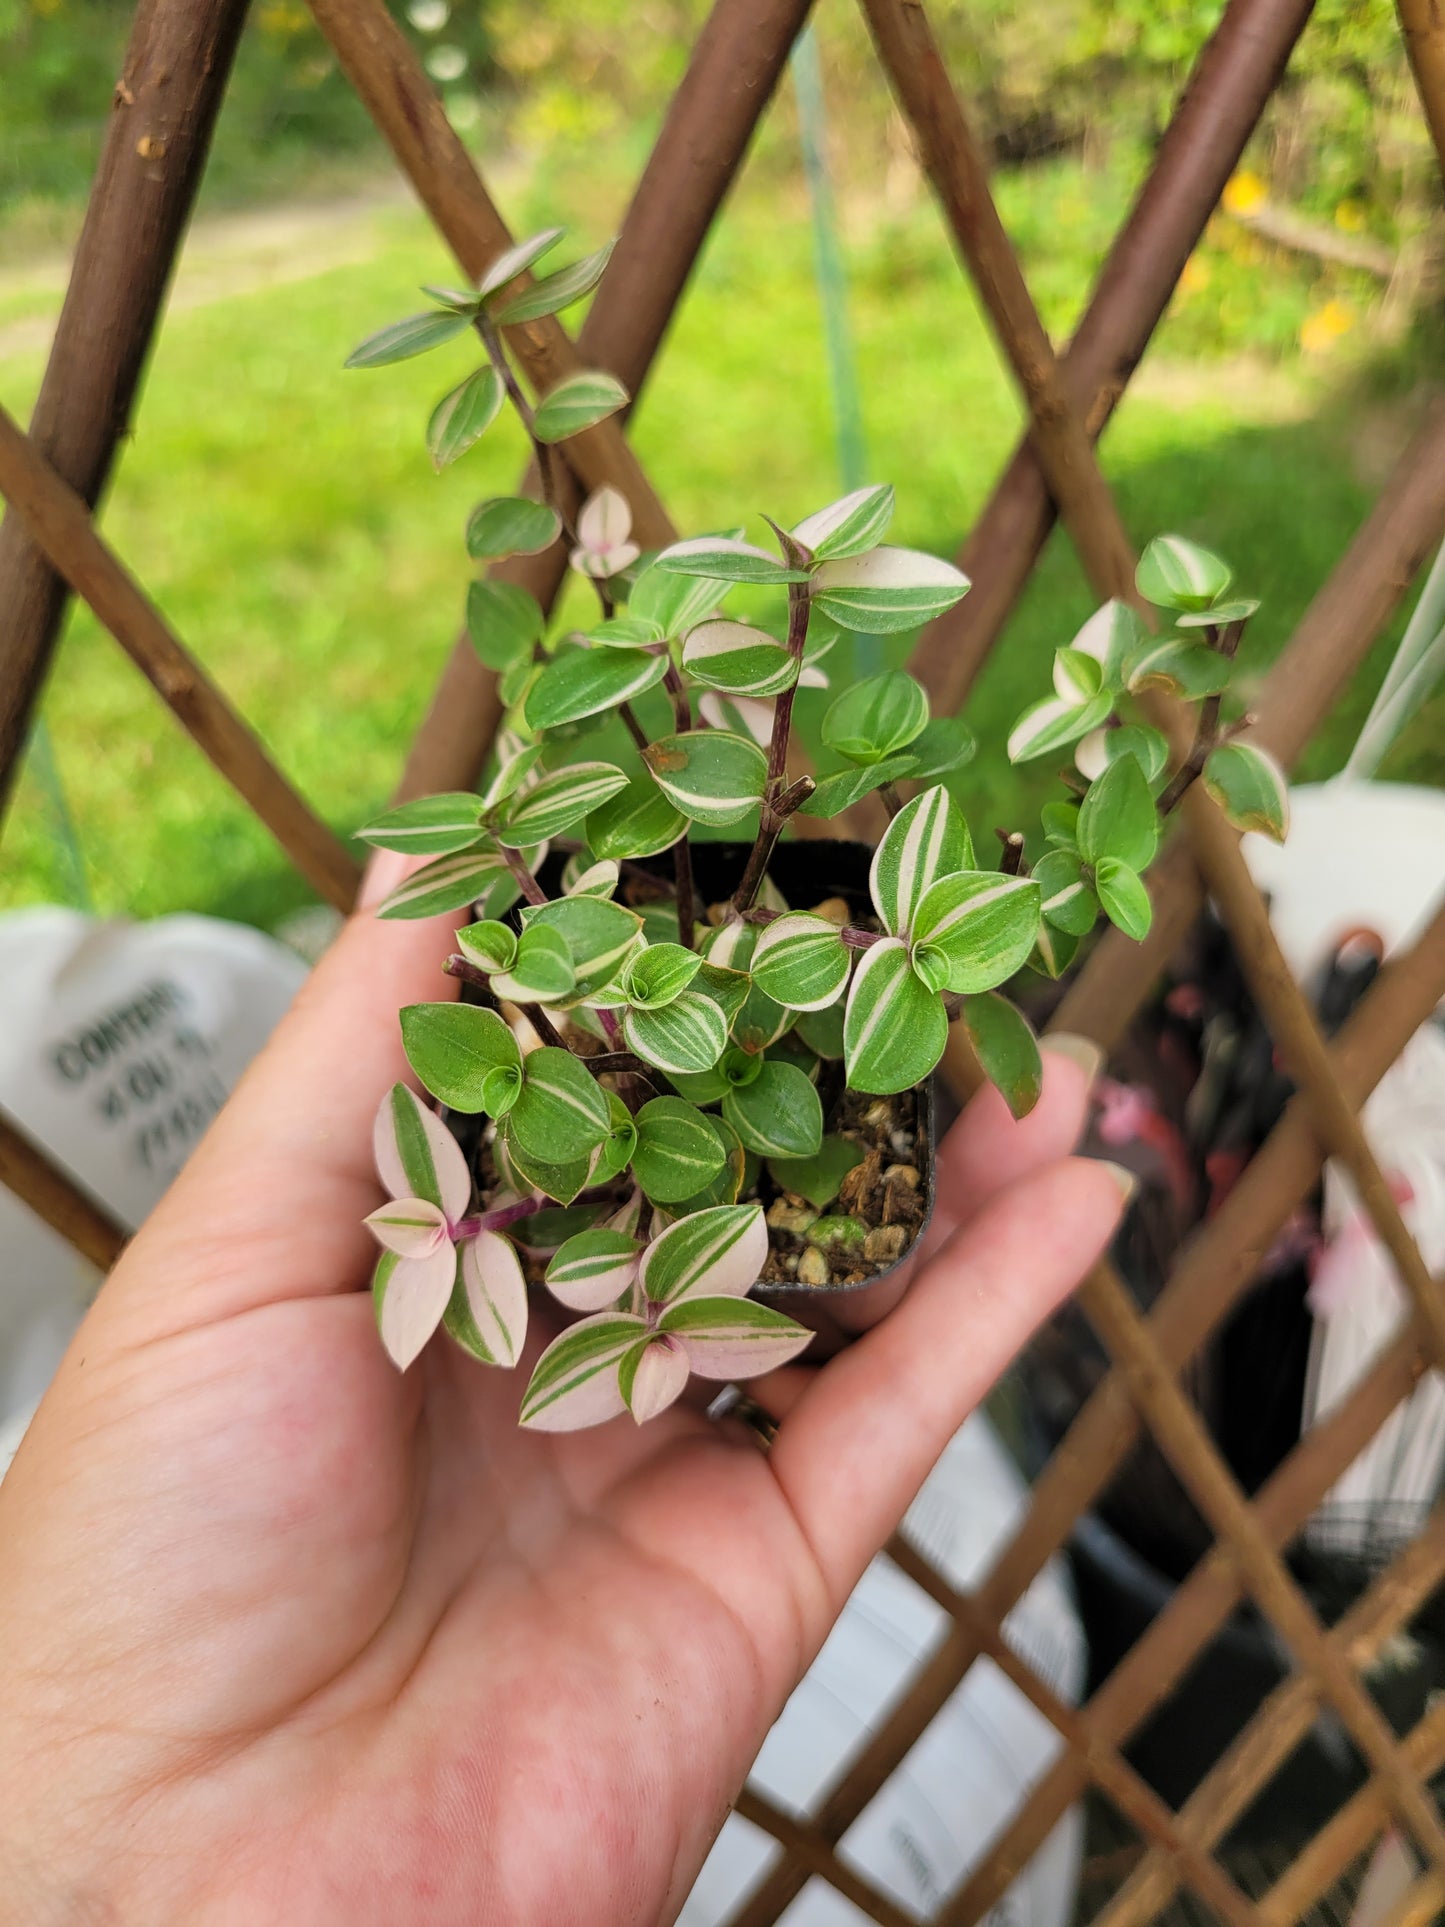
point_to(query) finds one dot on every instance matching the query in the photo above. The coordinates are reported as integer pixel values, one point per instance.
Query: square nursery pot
(809, 873)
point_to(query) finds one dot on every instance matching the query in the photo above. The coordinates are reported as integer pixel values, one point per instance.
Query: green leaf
(556, 291)
(895, 1028)
(737, 659)
(1250, 787)
(1148, 748)
(1125, 900)
(818, 1177)
(689, 1034)
(778, 1114)
(561, 1181)
(877, 717)
(801, 961)
(489, 945)
(562, 1112)
(1218, 614)
(851, 526)
(511, 525)
(1069, 902)
(452, 1048)
(580, 401)
(511, 772)
(710, 775)
(638, 821)
(845, 787)
(593, 1268)
(1055, 950)
(926, 840)
(584, 682)
(431, 826)
(503, 619)
(1191, 668)
(659, 973)
(1174, 573)
(1061, 824)
(727, 1186)
(1007, 1049)
(672, 603)
(561, 799)
(541, 971)
(822, 1030)
(944, 744)
(722, 1250)
(1110, 636)
(403, 339)
(619, 1144)
(517, 258)
(464, 300)
(678, 1153)
(469, 876)
(464, 415)
(1052, 724)
(1118, 817)
(886, 590)
(723, 558)
(984, 923)
(1078, 676)
(598, 933)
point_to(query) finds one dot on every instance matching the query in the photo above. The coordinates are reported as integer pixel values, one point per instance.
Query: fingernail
(1079, 1050)
(1127, 1180)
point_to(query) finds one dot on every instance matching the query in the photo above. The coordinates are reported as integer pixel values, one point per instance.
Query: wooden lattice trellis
(165, 105)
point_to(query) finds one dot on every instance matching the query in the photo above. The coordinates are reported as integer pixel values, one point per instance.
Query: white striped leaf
(411, 1227)
(1125, 900)
(489, 945)
(1238, 609)
(516, 259)
(464, 415)
(1078, 677)
(487, 1311)
(555, 291)
(850, 526)
(638, 821)
(1250, 787)
(623, 632)
(1192, 669)
(1055, 950)
(574, 1382)
(716, 1253)
(895, 1029)
(1053, 724)
(527, 1171)
(593, 1269)
(710, 775)
(583, 879)
(672, 603)
(1175, 573)
(1118, 817)
(1110, 636)
(1149, 748)
(511, 525)
(728, 989)
(430, 826)
(653, 1376)
(577, 402)
(726, 1185)
(659, 973)
(760, 1021)
(503, 621)
(722, 558)
(886, 590)
(984, 925)
(944, 744)
(615, 1153)
(845, 787)
(598, 933)
(733, 1337)
(1007, 1048)
(470, 876)
(1067, 898)
(562, 1111)
(801, 961)
(877, 717)
(689, 1034)
(731, 945)
(409, 1296)
(454, 1047)
(541, 972)
(403, 339)
(926, 840)
(583, 682)
(738, 659)
(417, 1156)
(603, 530)
(557, 802)
(778, 1113)
(513, 768)
(678, 1152)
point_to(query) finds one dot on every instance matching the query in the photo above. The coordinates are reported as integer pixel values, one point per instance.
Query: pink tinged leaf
(605, 520)
(410, 1300)
(749, 713)
(576, 1381)
(652, 1377)
(417, 1156)
(721, 1250)
(733, 1337)
(411, 1227)
(496, 1293)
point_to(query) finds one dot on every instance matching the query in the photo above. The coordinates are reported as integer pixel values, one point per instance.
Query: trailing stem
(1207, 734)
(779, 801)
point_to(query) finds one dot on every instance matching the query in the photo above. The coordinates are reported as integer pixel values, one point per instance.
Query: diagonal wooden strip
(59, 522)
(1233, 78)
(1423, 24)
(55, 1196)
(730, 78)
(804, 1850)
(164, 107)
(1420, 1905)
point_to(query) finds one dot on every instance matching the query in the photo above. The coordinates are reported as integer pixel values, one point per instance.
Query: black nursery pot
(808, 873)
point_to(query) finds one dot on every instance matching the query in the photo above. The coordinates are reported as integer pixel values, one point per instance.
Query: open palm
(289, 1636)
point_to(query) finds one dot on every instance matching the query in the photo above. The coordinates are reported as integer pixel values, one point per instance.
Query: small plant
(671, 1092)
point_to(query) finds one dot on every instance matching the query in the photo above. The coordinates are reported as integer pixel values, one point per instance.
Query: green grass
(285, 517)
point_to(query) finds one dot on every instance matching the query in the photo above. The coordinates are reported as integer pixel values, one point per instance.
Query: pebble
(813, 1267)
(885, 1244)
(904, 1174)
(786, 1214)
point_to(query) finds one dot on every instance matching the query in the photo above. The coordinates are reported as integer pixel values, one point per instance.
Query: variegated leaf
(555, 291)
(403, 339)
(1078, 677)
(877, 717)
(710, 775)
(541, 972)
(575, 1381)
(1192, 669)
(778, 1113)
(1250, 787)
(677, 1151)
(489, 945)
(982, 924)
(411, 1227)
(672, 603)
(561, 799)
(562, 1111)
(689, 1034)
(593, 1269)
(801, 961)
(724, 559)
(451, 882)
(578, 401)
(733, 1337)
(659, 972)
(1122, 893)
(417, 1156)
(584, 682)
(1110, 636)
(851, 526)
(583, 879)
(430, 826)
(737, 659)
(895, 1028)
(1067, 901)
(599, 935)
(638, 821)
(718, 1252)
(487, 1311)
(511, 525)
(516, 259)
(1053, 724)
(886, 590)
(514, 766)
(1175, 573)
(653, 1376)
(453, 1047)
(409, 1296)
(926, 840)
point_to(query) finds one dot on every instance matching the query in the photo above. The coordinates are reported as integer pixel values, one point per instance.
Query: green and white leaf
(982, 923)
(1068, 900)
(454, 1047)
(1175, 573)
(417, 1156)
(470, 876)
(562, 1112)
(1007, 1049)
(464, 415)
(1110, 636)
(689, 1034)
(503, 619)
(1053, 724)
(513, 769)
(1118, 817)
(716, 1253)
(927, 839)
(845, 787)
(430, 826)
(1237, 609)
(733, 1337)
(895, 1028)
(599, 935)
(583, 682)
(877, 717)
(575, 1382)
(577, 402)
(511, 525)
(1124, 898)
(1149, 748)
(517, 258)
(638, 821)
(738, 659)
(487, 1312)
(886, 590)
(726, 1186)
(659, 973)
(850, 526)
(489, 945)
(678, 1151)
(561, 799)
(583, 879)
(801, 961)
(1078, 676)
(944, 744)
(541, 972)
(711, 775)
(555, 291)
(777, 1114)
(1054, 951)
(593, 1269)
(1192, 669)
(673, 603)
(1250, 787)
(403, 339)
(723, 558)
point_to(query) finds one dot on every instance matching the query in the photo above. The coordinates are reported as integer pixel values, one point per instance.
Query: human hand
(290, 1636)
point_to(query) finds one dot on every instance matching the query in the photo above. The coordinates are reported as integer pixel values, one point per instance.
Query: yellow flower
(1350, 216)
(1244, 193)
(1323, 328)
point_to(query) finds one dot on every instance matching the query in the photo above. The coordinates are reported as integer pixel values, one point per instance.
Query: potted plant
(688, 1083)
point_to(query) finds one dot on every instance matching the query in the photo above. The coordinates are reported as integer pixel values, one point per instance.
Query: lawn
(284, 515)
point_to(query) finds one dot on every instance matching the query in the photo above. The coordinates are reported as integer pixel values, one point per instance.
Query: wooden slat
(164, 107)
(55, 1196)
(59, 522)
(1423, 23)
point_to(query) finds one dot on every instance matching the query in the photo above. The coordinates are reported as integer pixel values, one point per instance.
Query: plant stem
(686, 900)
(526, 882)
(1011, 863)
(771, 819)
(543, 1025)
(890, 799)
(465, 971)
(1224, 642)
(855, 938)
(634, 728)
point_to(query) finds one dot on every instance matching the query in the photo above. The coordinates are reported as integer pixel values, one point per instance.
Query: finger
(868, 1428)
